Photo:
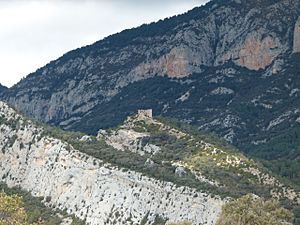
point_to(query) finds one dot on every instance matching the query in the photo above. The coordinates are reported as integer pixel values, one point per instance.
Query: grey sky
(34, 32)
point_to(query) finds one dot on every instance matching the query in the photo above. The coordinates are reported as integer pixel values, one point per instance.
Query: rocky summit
(250, 35)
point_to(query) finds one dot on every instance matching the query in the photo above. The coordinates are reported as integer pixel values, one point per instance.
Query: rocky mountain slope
(144, 171)
(230, 67)
(256, 35)
(88, 187)
(2, 88)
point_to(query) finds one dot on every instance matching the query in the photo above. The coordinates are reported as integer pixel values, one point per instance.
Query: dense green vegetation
(286, 145)
(35, 210)
(12, 211)
(251, 210)
(28, 209)
(2, 88)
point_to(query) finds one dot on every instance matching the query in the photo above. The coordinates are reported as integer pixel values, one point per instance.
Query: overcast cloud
(34, 32)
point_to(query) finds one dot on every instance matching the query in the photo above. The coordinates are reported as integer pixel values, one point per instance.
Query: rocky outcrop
(254, 35)
(124, 139)
(296, 46)
(89, 188)
(257, 52)
(179, 62)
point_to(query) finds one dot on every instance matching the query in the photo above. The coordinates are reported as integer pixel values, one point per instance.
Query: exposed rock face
(231, 66)
(2, 88)
(296, 47)
(252, 34)
(89, 188)
(101, 193)
(124, 139)
(180, 62)
(256, 52)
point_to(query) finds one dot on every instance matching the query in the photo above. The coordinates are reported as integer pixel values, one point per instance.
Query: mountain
(146, 171)
(2, 88)
(92, 188)
(229, 67)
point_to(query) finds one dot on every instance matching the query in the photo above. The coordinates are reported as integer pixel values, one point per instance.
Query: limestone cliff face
(100, 193)
(251, 34)
(296, 47)
(256, 52)
(179, 62)
(88, 187)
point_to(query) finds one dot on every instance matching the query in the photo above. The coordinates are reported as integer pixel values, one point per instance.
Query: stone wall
(145, 113)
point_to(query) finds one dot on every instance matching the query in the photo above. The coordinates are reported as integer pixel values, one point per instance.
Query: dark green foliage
(159, 220)
(2, 89)
(250, 210)
(34, 207)
(281, 152)
(36, 210)
(77, 221)
(145, 219)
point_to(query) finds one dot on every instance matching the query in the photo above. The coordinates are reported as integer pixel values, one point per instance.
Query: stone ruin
(145, 113)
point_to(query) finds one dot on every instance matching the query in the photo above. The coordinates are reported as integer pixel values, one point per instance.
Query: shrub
(11, 210)
(252, 210)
